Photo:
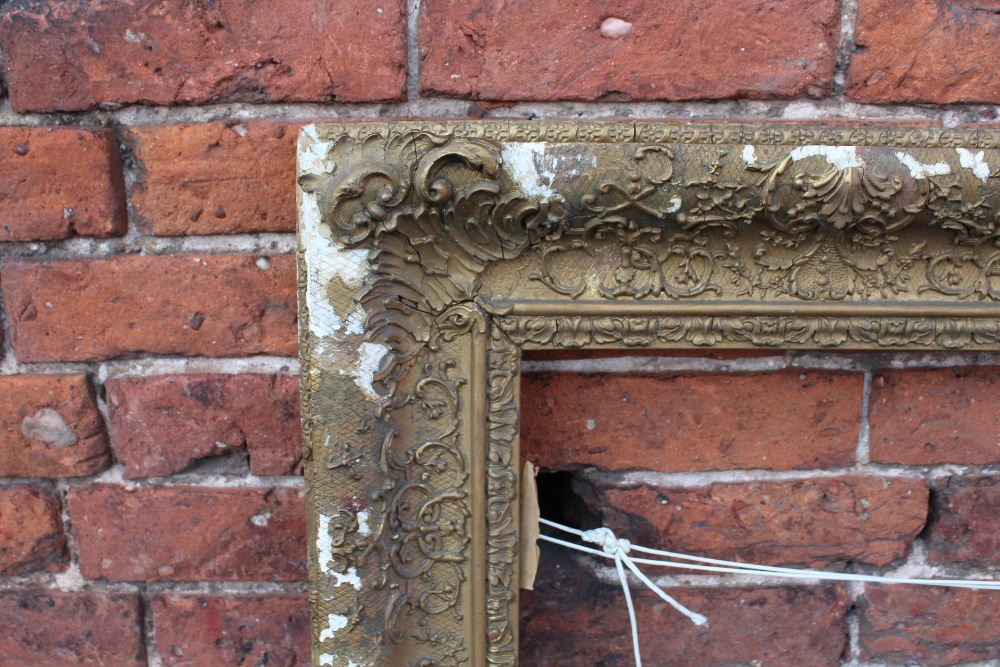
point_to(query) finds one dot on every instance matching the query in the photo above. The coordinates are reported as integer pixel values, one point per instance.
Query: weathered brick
(50, 427)
(929, 626)
(958, 55)
(922, 417)
(162, 425)
(211, 305)
(47, 628)
(573, 619)
(234, 630)
(964, 528)
(215, 178)
(31, 531)
(189, 533)
(778, 421)
(810, 522)
(554, 50)
(59, 182)
(178, 52)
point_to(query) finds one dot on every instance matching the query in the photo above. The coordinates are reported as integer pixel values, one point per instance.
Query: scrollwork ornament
(449, 251)
(756, 331)
(501, 501)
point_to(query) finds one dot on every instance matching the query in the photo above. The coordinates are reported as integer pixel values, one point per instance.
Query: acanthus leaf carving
(823, 231)
(863, 223)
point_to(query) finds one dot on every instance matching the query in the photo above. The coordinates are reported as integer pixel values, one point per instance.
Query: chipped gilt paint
(431, 253)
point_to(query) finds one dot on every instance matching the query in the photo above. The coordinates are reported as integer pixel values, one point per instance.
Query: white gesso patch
(841, 157)
(920, 170)
(323, 319)
(363, 523)
(310, 132)
(523, 161)
(324, 544)
(328, 262)
(334, 622)
(352, 267)
(315, 158)
(675, 205)
(327, 659)
(350, 577)
(749, 155)
(369, 356)
(975, 162)
(567, 166)
(356, 320)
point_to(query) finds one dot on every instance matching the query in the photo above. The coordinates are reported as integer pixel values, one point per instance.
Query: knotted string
(620, 549)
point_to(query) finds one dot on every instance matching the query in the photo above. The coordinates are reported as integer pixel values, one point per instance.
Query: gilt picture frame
(432, 253)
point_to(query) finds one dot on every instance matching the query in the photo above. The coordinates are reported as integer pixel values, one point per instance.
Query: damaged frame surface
(432, 253)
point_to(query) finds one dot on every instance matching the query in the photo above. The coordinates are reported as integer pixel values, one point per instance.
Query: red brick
(778, 421)
(211, 305)
(46, 628)
(59, 182)
(553, 49)
(31, 531)
(809, 523)
(929, 626)
(964, 529)
(936, 416)
(572, 619)
(235, 630)
(177, 52)
(958, 55)
(189, 533)
(164, 424)
(215, 178)
(50, 427)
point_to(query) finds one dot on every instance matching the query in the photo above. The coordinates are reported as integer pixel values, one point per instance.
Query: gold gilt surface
(432, 253)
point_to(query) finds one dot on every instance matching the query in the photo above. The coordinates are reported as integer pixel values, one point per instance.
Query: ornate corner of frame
(430, 253)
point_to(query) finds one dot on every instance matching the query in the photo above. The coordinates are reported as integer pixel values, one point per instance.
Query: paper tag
(529, 526)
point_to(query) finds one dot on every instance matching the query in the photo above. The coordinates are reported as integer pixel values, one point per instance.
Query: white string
(619, 550)
(733, 567)
(631, 610)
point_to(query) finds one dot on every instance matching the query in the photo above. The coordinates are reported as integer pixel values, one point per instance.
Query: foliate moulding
(432, 253)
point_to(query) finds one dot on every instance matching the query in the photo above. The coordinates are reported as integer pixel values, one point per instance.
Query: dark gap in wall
(229, 461)
(934, 502)
(849, 616)
(559, 501)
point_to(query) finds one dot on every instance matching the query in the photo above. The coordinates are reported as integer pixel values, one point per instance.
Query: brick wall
(151, 508)
(871, 463)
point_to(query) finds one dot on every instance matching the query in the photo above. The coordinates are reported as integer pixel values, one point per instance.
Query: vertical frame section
(409, 397)
(502, 511)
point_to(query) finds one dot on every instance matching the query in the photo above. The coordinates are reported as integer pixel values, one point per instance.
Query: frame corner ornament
(431, 253)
